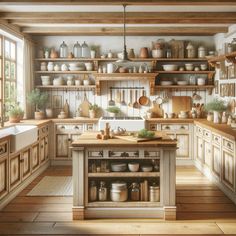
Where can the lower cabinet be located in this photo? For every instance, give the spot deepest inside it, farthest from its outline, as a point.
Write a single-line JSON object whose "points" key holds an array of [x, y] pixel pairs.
{"points": [[207, 155], [3, 176], [216, 161], [26, 163], [62, 146], [35, 157], [15, 170], [199, 149]]}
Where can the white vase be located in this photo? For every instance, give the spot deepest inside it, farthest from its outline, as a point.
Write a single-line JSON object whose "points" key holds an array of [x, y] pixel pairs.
{"points": [[111, 114], [216, 119], [93, 53]]}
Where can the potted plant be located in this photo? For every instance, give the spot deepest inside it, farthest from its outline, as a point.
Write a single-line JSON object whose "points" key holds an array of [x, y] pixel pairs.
{"points": [[93, 50], [113, 111], [216, 106], [93, 108], [15, 113], [39, 101]]}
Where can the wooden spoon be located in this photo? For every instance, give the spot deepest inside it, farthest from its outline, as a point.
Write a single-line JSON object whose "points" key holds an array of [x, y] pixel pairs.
{"points": [[130, 104], [136, 104], [111, 102]]}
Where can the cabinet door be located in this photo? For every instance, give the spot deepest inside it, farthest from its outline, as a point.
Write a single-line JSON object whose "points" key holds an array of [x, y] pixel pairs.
{"points": [[228, 169], [3, 176], [42, 150], [216, 161], [183, 146], [62, 146], [207, 154], [73, 137], [25, 164], [199, 144], [15, 176], [46, 147], [35, 157]]}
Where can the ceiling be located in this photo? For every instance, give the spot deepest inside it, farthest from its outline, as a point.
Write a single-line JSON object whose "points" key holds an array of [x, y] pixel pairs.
{"points": [[105, 17]]}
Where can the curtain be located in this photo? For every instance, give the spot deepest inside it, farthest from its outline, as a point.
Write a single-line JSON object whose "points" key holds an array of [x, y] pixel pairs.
{"points": [[28, 75]]}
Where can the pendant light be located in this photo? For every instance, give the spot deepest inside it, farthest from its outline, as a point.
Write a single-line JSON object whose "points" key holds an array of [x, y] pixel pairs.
{"points": [[124, 58]]}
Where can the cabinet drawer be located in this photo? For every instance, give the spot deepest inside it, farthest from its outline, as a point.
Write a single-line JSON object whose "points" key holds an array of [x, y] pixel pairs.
{"points": [[175, 127], [152, 127], [63, 128], [89, 127], [3, 148], [207, 134], [216, 139], [151, 154], [167, 127], [182, 127], [228, 144], [95, 154], [199, 130]]}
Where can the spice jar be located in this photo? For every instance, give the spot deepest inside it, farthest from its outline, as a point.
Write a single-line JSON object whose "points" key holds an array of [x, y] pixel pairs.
{"points": [[190, 50], [102, 192], [134, 192], [63, 50], [154, 193], [201, 52], [93, 191]]}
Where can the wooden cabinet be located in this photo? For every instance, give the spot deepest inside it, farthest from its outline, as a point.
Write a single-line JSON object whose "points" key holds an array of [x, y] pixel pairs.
{"points": [[228, 169], [199, 149], [25, 163], [42, 150], [14, 170], [46, 147], [216, 161], [62, 146], [207, 154], [35, 157], [183, 150]]}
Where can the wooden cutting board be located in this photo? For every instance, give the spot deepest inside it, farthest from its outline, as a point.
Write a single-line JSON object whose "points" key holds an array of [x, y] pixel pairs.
{"points": [[156, 110], [84, 106], [181, 103], [137, 140]]}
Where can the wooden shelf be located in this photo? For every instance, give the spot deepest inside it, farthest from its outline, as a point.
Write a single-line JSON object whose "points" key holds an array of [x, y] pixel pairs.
{"points": [[64, 72], [186, 72], [187, 87], [124, 174], [66, 87], [125, 75], [230, 57], [123, 204]]}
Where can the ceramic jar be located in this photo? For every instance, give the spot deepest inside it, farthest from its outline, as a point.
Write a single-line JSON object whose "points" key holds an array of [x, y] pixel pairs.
{"points": [[64, 67], [154, 193], [43, 66], [201, 52], [70, 81], [109, 55], [50, 66], [57, 67], [86, 82], [190, 50], [46, 54], [89, 66], [131, 53], [49, 113], [53, 53], [143, 52], [119, 192], [93, 53], [111, 68]]}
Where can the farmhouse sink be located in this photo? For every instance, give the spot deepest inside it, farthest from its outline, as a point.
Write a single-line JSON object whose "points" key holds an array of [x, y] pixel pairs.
{"points": [[21, 136]]}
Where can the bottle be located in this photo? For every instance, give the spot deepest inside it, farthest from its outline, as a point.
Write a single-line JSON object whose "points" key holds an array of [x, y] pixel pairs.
{"points": [[66, 109], [134, 192], [85, 50], [168, 53], [233, 44], [77, 50], [102, 192], [93, 191], [63, 50]]}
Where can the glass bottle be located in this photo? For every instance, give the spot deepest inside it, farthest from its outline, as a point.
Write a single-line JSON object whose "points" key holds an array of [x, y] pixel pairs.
{"points": [[77, 50], [85, 50], [63, 50], [233, 44], [168, 53], [102, 191], [93, 191], [134, 192]]}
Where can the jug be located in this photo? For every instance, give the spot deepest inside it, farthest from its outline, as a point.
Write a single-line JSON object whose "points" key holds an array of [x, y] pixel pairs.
{"points": [[111, 68]]}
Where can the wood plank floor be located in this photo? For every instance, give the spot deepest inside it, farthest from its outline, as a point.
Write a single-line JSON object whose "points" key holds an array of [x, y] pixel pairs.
{"points": [[201, 209]]}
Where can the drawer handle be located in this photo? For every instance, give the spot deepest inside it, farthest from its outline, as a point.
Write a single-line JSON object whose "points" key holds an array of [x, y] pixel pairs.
{"points": [[41, 146], [1, 149], [76, 127], [62, 127], [22, 160], [182, 127], [46, 143], [167, 127], [69, 139], [216, 139], [229, 145]]}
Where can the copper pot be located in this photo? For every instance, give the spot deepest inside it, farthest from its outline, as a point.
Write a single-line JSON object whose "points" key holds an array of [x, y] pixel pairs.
{"points": [[143, 52]]}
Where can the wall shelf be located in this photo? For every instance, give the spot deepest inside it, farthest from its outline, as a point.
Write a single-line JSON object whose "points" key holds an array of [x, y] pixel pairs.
{"points": [[64, 72], [124, 174], [230, 57], [66, 87], [186, 72]]}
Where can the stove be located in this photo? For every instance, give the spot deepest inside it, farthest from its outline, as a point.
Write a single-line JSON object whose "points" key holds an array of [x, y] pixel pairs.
{"points": [[130, 123]]}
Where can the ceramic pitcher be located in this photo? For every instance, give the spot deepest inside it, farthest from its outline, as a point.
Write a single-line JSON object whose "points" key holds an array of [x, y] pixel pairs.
{"points": [[111, 68]]}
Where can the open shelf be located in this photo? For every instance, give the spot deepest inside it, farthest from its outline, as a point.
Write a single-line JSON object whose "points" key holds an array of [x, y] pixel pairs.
{"points": [[230, 57], [123, 204], [66, 87], [64, 72], [124, 174], [186, 72]]}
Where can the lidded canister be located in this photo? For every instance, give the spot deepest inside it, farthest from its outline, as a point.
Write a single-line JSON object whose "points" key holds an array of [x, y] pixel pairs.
{"points": [[190, 50], [102, 191], [201, 52], [154, 193], [93, 191]]}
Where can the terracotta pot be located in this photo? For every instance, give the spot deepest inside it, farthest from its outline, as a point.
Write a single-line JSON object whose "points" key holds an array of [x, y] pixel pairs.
{"points": [[14, 119], [53, 54], [143, 53], [39, 115], [92, 114]]}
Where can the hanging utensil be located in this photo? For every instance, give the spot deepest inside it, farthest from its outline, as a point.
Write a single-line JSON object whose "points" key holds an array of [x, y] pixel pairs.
{"points": [[123, 103], [159, 100], [143, 100], [111, 102], [118, 96], [130, 104], [136, 104]]}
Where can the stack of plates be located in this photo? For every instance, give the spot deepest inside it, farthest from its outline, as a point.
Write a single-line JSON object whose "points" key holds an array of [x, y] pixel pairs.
{"points": [[166, 83], [182, 82], [118, 167], [45, 80], [76, 67]]}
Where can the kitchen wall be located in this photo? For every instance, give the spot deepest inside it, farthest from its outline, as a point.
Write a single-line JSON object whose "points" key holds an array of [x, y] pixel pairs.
{"points": [[115, 45]]}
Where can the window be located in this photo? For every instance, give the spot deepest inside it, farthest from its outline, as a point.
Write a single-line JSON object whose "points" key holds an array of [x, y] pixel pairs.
{"points": [[8, 75]]}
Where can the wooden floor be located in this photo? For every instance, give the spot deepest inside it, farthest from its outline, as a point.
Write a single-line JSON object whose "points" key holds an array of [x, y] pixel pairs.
{"points": [[201, 209]]}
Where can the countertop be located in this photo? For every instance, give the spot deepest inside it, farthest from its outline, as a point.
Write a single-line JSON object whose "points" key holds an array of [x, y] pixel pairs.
{"points": [[89, 139]]}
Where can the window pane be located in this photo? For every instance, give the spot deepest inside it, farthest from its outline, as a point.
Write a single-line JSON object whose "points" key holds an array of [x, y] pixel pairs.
{"points": [[0, 68], [7, 90], [7, 49], [13, 51], [0, 46], [7, 69], [13, 92], [13, 71]]}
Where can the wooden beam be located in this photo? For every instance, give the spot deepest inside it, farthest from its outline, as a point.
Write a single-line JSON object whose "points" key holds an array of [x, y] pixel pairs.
{"points": [[116, 17], [118, 31], [120, 2]]}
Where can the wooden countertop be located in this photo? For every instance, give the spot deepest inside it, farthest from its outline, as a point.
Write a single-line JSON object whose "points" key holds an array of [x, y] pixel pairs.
{"points": [[89, 139], [76, 120], [29, 122], [222, 129]]}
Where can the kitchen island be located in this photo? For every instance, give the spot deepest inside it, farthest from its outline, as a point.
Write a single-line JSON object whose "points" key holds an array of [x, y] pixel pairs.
{"points": [[92, 164]]}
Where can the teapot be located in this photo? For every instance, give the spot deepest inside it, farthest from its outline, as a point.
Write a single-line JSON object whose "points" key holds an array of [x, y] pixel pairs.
{"points": [[111, 68], [64, 67]]}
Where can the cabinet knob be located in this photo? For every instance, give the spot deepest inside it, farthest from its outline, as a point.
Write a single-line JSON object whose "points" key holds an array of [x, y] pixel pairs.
{"points": [[62, 127], [182, 127], [76, 127], [69, 139]]}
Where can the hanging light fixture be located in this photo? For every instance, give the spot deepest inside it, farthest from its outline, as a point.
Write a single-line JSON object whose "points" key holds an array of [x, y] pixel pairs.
{"points": [[124, 58]]}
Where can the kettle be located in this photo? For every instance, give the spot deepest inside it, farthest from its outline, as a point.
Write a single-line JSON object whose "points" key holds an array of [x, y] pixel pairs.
{"points": [[111, 68]]}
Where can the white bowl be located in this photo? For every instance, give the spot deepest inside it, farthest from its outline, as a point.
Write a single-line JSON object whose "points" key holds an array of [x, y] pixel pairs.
{"points": [[133, 166], [147, 168], [165, 83], [170, 67], [189, 67], [201, 81], [182, 82], [46, 83], [118, 167]]}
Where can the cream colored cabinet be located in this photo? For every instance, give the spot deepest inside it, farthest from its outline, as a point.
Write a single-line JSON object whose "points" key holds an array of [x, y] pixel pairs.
{"points": [[207, 155], [46, 147], [62, 146], [14, 170], [199, 149], [42, 151], [4, 187], [216, 161], [35, 157], [25, 163], [183, 150]]}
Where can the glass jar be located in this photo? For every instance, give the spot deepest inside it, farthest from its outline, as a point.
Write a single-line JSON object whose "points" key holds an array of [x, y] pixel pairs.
{"points": [[102, 191], [233, 44], [134, 192], [154, 193], [93, 191], [63, 50], [201, 52], [85, 50], [192, 80], [77, 50], [190, 50], [168, 53]]}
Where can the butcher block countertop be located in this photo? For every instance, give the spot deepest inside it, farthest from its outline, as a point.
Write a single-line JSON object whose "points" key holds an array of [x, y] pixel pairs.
{"points": [[89, 139]]}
